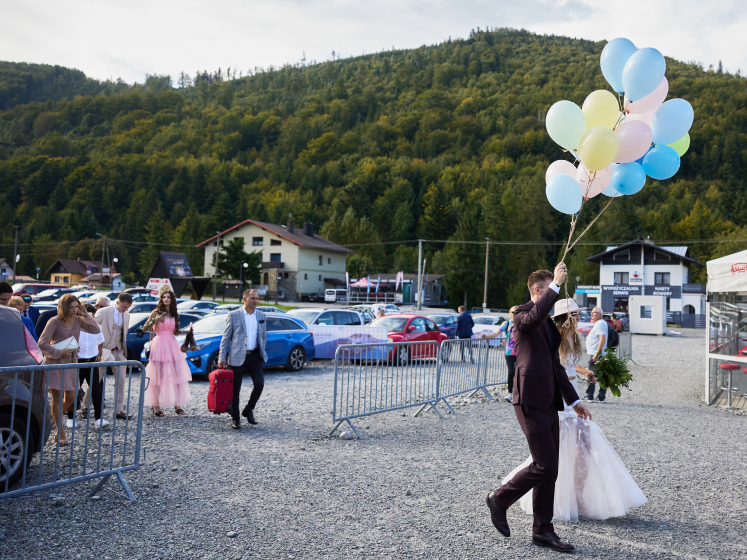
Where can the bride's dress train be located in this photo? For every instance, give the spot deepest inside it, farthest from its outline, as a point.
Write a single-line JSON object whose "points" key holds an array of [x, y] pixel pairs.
{"points": [[592, 479]]}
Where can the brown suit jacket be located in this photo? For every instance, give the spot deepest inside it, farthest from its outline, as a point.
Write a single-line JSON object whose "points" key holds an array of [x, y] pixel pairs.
{"points": [[541, 380], [105, 318]]}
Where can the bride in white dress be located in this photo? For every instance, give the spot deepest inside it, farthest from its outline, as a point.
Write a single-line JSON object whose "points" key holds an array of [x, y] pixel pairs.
{"points": [[592, 480]]}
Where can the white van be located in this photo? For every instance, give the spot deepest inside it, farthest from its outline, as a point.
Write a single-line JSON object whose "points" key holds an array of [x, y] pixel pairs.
{"points": [[335, 295]]}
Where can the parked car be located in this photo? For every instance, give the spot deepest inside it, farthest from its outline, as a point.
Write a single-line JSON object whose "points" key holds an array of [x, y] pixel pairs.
{"points": [[52, 294], [136, 338], [197, 305], [133, 291], [139, 298], [389, 308], [332, 296], [483, 319], [226, 307], [111, 295], [409, 327], [315, 298], [33, 289], [81, 294], [270, 309], [20, 349], [289, 343], [145, 307], [320, 316], [446, 322]]}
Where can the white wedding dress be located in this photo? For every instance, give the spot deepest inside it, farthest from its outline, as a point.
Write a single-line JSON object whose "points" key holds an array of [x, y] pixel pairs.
{"points": [[592, 480]]}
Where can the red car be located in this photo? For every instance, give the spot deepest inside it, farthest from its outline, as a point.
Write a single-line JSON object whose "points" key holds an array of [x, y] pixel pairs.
{"points": [[409, 327], [33, 289]]}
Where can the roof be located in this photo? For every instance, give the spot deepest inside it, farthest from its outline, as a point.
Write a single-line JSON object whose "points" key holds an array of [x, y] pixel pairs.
{"points": [[75, 266], [298, 237], [680, 251]]}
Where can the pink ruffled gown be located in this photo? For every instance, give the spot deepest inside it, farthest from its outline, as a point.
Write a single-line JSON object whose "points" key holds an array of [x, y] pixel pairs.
{"points": [[167, 369]]}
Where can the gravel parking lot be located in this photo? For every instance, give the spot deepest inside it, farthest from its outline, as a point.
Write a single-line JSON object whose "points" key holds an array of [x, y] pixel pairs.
{"points": [[412, 488]]}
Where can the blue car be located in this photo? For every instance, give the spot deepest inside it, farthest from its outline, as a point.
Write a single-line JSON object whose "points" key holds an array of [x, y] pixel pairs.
{"points": [[446, 322], [289, 343], [136, 338]]}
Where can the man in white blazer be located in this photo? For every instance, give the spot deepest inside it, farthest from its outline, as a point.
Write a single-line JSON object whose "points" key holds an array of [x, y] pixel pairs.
{"points": [[115, 321], [244, 340]]}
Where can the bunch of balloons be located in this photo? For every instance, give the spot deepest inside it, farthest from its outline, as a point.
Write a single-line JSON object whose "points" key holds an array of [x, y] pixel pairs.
{"points": [[617, 141]]}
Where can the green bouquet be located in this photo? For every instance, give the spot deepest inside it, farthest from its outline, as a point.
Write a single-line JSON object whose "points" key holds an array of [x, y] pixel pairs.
{"points": [[612, 371]]}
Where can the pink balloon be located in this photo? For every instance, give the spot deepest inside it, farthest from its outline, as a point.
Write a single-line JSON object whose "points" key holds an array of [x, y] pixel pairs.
{"points": [[560, 166], [593, 183], [633, 141], [649, 103], [642, 117]]}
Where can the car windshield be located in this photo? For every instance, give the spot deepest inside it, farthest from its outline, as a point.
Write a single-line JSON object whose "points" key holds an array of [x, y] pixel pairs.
{"points": [[185, 304], [215, 324], [438, 319], [306, 316], [391, 324], [483, 320], [49, 292]]}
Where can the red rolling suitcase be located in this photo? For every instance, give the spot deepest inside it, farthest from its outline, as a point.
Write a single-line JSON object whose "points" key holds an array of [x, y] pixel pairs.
{"points": [[220, 393]]}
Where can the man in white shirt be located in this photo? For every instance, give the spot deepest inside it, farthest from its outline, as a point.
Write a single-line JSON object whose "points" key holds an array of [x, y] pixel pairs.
{"points": [[91, 346], [596, 343]]}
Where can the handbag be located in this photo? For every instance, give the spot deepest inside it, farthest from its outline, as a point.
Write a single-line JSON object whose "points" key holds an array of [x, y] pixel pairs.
{"points": [[68, 344]]}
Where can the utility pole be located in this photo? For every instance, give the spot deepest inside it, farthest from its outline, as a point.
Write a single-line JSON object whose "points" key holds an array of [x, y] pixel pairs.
{"points": [[215, 270], [101, 268], [15, 256], [420, 273], [485, 291]]}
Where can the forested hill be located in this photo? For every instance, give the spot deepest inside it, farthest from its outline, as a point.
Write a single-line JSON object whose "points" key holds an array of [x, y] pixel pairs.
{"points": [[442, 142]]}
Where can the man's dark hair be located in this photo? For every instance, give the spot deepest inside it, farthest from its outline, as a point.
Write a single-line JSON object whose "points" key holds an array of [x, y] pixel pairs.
{"points": [[124, 298], [5, 288], [539, 276], [90, 308]]}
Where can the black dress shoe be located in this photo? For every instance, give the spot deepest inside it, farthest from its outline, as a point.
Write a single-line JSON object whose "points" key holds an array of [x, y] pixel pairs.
{"points": [[498, 515], [551, 540], [249, 415], [236, 424]]}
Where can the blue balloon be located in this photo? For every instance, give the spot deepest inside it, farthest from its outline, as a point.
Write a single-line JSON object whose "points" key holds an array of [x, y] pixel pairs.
{"points": [[628, 178], [661, 163], [614, 56], [643, 73], [610, 191], [564, 193], [671, 121]]}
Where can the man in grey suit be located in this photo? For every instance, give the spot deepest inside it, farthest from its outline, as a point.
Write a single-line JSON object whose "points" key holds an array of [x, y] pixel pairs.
{"points": [[244, 340]]}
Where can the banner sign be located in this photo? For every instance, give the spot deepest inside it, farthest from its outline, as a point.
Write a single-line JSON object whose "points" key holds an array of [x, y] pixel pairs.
{"points": [[178, 265], [328, 337], [158, 285], [588, 290], [477, 330]]}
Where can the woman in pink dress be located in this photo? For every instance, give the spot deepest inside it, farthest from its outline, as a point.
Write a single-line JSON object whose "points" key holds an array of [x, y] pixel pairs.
{"points": [[167, 366]]}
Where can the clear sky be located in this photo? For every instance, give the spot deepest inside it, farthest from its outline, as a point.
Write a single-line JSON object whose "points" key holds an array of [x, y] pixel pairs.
{"points": [[130, 38]]}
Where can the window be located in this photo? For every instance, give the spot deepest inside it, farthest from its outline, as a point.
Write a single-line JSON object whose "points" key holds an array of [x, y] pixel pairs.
{"points": [[274, 257], [342, 318], [56, 278], [661, 278], [354, 319], [430, 326], [621, 305], [621, 256], [291, 325], [325, 319], [66, 279], [668, 304], [275, 324], [305, 276], [621, 277], [320, 260], [659, 256], [418, 323], [329, 261], [647, 311], [274, 242], [258, 241], [320, 277], [285, 275]]}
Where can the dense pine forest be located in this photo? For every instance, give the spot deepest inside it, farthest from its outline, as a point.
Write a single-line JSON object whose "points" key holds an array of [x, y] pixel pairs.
{"points": [[444, 143]]}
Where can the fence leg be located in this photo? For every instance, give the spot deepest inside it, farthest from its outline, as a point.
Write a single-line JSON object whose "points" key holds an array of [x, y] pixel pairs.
{"points": [[433, 406], [487, 393], [448, 405], [122, 481], [357, 433], [421, 409], [334, 429]]}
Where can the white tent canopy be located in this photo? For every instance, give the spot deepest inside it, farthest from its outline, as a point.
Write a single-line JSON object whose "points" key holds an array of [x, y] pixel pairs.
{"points": [[728, 274]]}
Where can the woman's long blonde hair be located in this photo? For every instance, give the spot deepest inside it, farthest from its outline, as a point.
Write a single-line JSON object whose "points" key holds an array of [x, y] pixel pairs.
{"points": [[576, 347]]}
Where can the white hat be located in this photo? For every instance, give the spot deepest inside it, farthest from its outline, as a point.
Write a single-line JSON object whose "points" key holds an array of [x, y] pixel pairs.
{"points": [[564, 306]]}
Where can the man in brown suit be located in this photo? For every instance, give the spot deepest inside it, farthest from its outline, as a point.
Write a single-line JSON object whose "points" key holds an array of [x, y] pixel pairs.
{"points": [[115, 321], [540, 387]]}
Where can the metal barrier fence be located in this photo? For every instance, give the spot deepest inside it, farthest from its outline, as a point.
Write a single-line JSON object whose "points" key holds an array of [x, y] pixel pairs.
{"points": [[374, 378], [31, 462]]}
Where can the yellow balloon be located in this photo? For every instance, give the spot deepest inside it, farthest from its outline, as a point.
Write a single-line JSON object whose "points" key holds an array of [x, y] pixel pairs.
{"points": [[680, 146], [597, 148], [601, 109]]}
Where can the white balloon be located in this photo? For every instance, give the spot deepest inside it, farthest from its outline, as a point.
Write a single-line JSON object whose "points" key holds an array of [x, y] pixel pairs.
{"points": [[651, 102], [560, 166], [643, 117], [593, 183]]}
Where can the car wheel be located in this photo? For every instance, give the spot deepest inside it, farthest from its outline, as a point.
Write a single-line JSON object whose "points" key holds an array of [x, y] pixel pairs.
{"points": [[13, 449], [212, 363], [403, 355], [296, 359]]}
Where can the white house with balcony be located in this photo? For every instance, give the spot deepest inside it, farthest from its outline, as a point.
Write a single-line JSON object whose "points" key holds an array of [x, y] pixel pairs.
{"points": [[642, 268], [295, 261]]}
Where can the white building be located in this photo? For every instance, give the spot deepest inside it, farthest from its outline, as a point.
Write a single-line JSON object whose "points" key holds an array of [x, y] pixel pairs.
{"points": [[642, 268], [295, 262]]}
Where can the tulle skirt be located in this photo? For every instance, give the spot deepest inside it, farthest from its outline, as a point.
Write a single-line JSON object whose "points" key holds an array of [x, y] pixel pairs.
{"points": [[592, 479], [168, 372]]}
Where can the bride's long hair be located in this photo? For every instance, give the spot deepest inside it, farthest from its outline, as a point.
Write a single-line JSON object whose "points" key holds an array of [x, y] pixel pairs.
{"points": [[574, 348]]}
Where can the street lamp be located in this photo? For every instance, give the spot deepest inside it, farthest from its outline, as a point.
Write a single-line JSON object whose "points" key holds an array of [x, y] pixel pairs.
{"points": [[485, 291], [277, 286], [241, 281], [115, 260]]}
